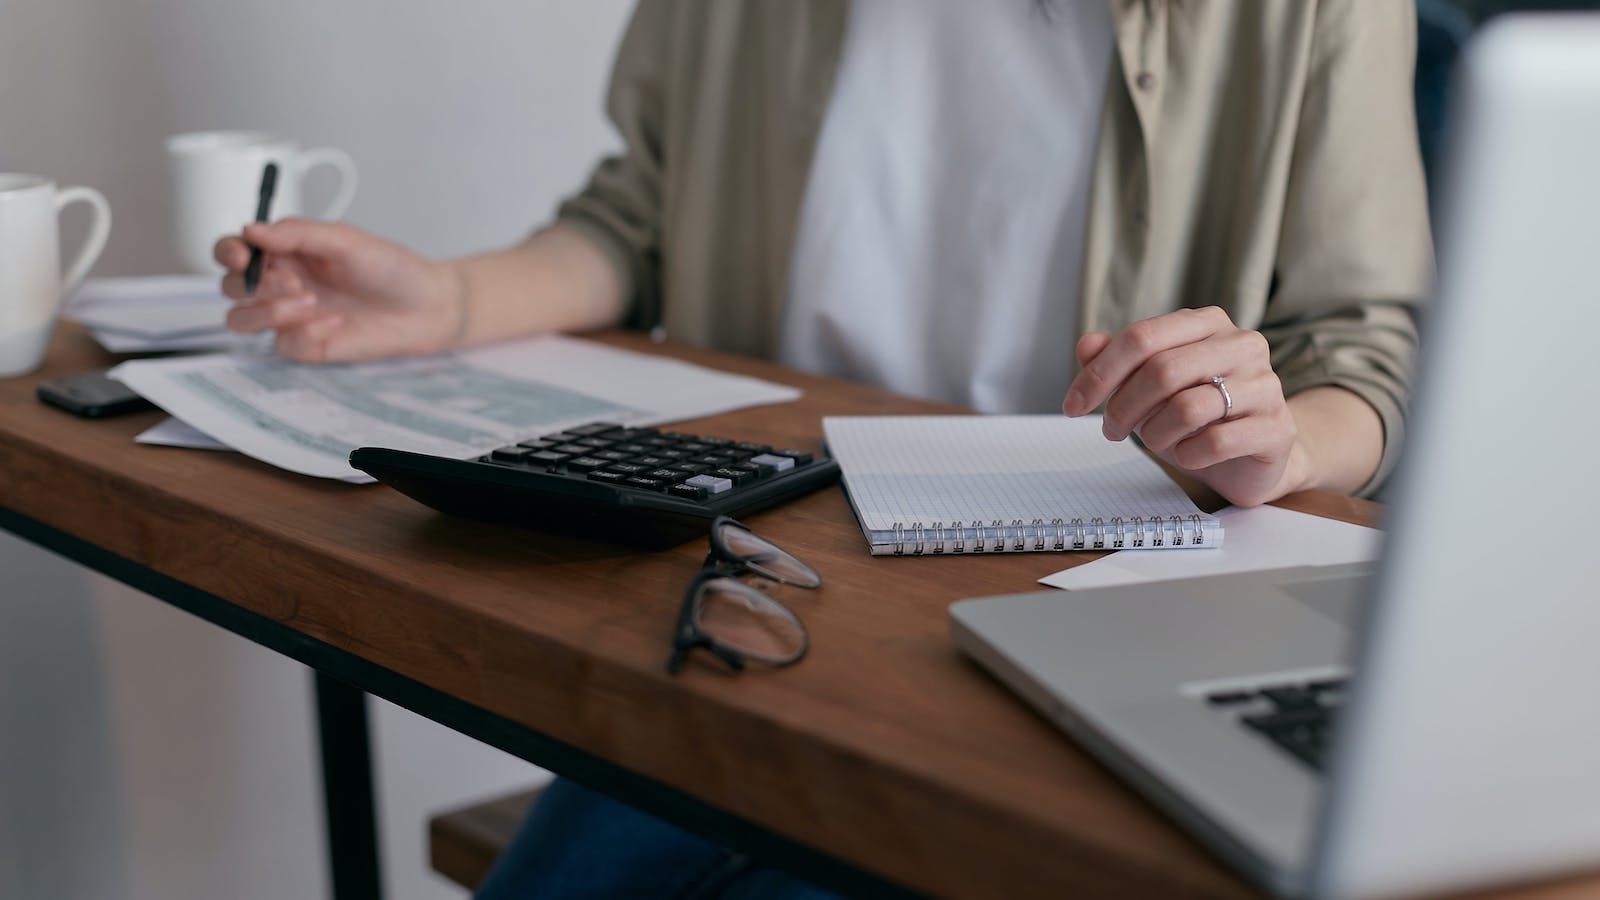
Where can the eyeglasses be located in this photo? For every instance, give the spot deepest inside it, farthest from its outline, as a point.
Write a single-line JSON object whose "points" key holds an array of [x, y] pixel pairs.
{"points": [[735, 620]]}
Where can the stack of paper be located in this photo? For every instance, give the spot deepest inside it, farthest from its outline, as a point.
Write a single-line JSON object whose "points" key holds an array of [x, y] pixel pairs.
{"points": [[144, 315]]}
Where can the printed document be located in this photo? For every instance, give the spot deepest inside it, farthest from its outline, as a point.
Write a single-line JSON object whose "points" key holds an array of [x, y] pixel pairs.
{"points": [[170, 432], [307, 418]]}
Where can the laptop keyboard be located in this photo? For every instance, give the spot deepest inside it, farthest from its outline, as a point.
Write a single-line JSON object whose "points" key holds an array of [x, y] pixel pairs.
{"points": [[1298, 717]]}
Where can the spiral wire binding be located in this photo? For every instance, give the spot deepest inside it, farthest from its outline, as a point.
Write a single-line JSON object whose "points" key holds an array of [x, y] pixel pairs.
{"points": [[917, 539]]}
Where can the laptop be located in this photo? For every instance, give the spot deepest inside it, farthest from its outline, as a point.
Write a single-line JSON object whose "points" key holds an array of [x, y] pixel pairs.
{"points": [[1430, 722]]}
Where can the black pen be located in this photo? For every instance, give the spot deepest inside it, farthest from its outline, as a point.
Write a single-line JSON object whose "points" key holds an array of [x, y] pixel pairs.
{"points": [[269, 183]]}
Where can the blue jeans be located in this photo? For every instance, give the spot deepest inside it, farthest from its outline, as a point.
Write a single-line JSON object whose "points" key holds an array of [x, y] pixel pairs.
{"points": [[579, 844]]}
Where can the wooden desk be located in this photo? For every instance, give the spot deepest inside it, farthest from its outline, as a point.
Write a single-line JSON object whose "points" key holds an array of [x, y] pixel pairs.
{"points": [[885, 749]]}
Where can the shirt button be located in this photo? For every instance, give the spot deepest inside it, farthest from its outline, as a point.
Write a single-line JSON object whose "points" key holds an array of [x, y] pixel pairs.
{"points": [[1145, 81]]}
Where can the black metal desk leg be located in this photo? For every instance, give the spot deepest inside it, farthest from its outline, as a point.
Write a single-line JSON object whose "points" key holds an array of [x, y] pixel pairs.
{"points": [[347, 790]]}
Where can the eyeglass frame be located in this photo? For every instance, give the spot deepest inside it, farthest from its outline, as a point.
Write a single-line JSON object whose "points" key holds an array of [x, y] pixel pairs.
{"points": [[721, 562]]}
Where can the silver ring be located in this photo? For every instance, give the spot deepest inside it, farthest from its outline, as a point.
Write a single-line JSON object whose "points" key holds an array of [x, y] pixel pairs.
{"points": [[1227, 399]]}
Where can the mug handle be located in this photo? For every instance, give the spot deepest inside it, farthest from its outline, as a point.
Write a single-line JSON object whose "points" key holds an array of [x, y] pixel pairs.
{"points": [[95, 241], [340, 160]]}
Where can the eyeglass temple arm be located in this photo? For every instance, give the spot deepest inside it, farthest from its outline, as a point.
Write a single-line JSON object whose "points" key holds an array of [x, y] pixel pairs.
{"points": [[681, 649]]}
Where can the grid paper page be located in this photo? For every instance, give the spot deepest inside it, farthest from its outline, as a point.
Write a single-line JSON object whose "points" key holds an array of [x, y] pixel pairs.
{"points": [[927, 469]]}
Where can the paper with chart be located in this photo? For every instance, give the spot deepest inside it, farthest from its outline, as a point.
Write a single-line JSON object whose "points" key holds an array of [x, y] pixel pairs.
{"points": [[307, 418], [923, 475]]}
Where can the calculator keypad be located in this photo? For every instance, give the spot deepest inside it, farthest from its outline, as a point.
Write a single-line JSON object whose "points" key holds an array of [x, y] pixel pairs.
{"points": [[687, 466], [641, 487]]}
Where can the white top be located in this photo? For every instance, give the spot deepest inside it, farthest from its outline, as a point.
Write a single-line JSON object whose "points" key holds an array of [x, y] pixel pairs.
{"points": [[941, 232]]}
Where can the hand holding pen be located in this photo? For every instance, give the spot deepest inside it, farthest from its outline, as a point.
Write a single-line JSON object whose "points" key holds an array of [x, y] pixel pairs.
{"points": [[333, 292], [269, 184], [330, 291]]}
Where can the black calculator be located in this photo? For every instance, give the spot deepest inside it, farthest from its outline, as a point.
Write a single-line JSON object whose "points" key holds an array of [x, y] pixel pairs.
{"points": [[639, 486]]}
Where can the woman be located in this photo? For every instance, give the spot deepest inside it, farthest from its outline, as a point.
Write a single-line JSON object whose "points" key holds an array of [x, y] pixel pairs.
{"points": [[1019, 206]]}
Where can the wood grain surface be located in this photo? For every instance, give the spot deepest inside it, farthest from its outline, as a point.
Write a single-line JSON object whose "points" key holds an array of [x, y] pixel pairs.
{"points": [[884, 747]]}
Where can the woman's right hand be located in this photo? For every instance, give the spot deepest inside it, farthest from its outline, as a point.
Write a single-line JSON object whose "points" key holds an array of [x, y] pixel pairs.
{"points": [[336, 293]]}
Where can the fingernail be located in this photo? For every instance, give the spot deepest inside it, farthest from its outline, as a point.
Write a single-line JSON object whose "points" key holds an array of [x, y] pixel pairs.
{"points": [[1074, 404]]}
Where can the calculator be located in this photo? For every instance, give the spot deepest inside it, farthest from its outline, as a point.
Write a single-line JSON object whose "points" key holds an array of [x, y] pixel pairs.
{"points": [[639, 486]]}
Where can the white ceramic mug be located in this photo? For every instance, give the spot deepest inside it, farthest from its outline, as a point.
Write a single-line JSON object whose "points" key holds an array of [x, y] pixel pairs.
{"points": [[31, 281], [216, 179]]}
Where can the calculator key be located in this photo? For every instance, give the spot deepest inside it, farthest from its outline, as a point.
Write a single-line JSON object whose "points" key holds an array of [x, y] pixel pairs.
{"points": [[594, 428], [1289, 697], [712, 484], [773, 463], [1230, 698], [752, 448], [703, 474]]}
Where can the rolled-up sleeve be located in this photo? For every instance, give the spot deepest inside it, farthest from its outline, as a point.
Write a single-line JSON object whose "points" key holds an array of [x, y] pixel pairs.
{"points": [[1355, 257], [620, 208]]}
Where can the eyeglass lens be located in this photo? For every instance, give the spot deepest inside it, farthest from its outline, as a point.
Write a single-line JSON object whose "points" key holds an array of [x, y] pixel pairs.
{"points": [[765, 557], [745, 619]]}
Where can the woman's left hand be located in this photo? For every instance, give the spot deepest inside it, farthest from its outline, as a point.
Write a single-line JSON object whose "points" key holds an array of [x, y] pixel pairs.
{"points": [[1155, 381]]}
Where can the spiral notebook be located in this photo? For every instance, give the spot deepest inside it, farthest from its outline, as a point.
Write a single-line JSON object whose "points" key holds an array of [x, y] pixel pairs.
{"points": [[1002, 484]]}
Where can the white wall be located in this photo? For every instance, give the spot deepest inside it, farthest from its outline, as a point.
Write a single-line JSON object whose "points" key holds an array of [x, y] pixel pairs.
{"points": [[143, 753], [468, 120]]}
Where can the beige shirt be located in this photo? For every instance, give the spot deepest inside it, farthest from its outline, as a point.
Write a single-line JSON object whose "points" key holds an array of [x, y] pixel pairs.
{"points": [[1258, 155]]}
